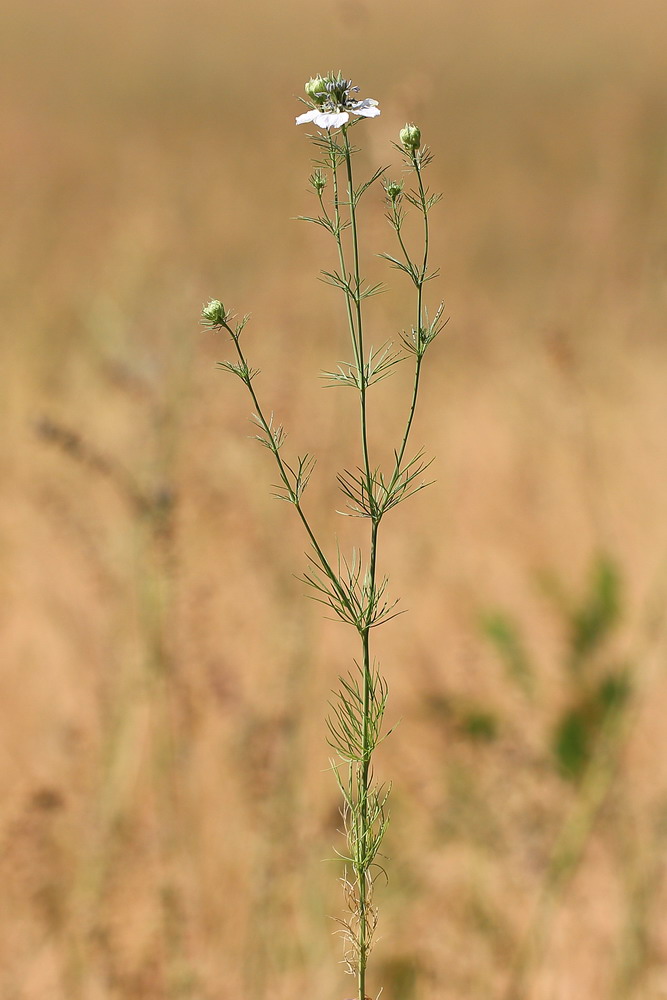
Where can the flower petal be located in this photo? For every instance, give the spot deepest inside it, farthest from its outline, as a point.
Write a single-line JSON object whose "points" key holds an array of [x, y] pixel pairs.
{"points": [[366, 112], [368, 102], [324, 119], [308, 116]]}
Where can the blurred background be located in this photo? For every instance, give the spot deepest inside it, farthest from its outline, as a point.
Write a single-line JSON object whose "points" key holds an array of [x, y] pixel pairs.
{"points": [[166, 807]]}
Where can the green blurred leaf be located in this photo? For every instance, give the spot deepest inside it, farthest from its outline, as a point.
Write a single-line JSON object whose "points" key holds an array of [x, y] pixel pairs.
{"points": [[577, 732], [572, 743], [505, 635], [592, 622], [472, 720], [480, 726], [614, 690]]}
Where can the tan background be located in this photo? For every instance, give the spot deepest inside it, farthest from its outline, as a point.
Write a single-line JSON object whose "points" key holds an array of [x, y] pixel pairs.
{"points": [[165, 806]]}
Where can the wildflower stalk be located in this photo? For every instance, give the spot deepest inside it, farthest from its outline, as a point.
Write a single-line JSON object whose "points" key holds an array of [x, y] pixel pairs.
{"points": [[353, 592]]}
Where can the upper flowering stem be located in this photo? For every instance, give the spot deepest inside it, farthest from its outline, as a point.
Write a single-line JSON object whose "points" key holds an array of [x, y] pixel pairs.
{"points": [[333, 103]]}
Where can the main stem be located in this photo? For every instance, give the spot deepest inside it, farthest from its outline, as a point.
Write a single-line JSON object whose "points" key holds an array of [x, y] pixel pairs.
{"points": [[341, 259], [365, 778], [364, 766], [360, 329]]}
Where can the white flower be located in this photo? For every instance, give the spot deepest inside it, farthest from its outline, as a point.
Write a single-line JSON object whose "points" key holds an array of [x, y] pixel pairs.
{"points": [[335, 105], [334, 119]]}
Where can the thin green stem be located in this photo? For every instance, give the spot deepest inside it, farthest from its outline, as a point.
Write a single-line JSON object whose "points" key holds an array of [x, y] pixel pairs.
{"points": [[422, 194], [408, 259], [411, 414], [420, 320], [323, 209], [360, 329], [285, 478], [362, 873], [420, 311], [358, 358], [364, 767]]}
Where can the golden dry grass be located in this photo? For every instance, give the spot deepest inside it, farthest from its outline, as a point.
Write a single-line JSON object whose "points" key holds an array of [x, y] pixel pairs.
{"points": [[165, 804]]}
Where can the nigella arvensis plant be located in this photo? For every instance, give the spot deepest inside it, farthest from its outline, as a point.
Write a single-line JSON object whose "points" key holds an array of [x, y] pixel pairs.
{"points": [[352, 587]]}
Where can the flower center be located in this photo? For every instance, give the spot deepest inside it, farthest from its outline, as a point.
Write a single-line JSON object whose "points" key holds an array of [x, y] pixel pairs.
{"points": [[338, 93]]}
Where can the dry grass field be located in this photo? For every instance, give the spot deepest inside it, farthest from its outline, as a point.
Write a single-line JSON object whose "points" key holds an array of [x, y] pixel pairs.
{"points": [[165, 808]]}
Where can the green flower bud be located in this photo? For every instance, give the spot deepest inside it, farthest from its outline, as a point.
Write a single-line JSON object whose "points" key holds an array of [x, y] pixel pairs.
{"points": [[410, 137], [393, 189], [316, 89], [214, 313], [318, 181]]}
